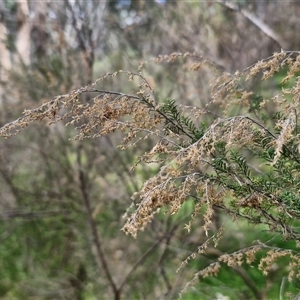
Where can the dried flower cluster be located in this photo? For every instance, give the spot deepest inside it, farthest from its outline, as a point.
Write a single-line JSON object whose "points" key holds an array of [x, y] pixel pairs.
{"points": [[238, 153]]}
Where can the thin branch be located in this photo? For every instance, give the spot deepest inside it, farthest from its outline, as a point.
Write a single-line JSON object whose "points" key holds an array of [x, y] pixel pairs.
{"points": [[148, 103], [30, 215], [249, 282], [260, 24], [162, 269], [149, 251], [96, 239], [282, 287], [273, 136], [112, 93]]}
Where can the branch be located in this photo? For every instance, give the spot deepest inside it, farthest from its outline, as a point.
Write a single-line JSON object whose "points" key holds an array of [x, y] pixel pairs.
{"points": [[261, 25], [241, 272], [30, 215], [149, 251], [248, 281], [96, 239]]}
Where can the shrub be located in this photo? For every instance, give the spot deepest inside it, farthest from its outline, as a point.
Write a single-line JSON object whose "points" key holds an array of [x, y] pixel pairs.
{"points": [[238, 152]]}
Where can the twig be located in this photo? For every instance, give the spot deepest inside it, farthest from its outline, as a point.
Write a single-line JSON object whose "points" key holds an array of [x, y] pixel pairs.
{"points": [[30, 215], [282, 286]]}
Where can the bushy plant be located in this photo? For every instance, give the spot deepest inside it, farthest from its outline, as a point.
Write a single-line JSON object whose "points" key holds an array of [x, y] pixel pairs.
{"points": [[238, 153]]}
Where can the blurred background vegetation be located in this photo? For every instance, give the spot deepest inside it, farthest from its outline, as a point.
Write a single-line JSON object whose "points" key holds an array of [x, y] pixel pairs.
{"points": [[62, 201]]}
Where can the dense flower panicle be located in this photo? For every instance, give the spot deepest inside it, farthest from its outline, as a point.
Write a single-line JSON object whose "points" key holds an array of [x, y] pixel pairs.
{"points": [[239, 152]]}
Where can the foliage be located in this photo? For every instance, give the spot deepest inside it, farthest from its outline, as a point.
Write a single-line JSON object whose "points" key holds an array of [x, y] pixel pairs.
{"points": [[244, 164], [61, 200]]}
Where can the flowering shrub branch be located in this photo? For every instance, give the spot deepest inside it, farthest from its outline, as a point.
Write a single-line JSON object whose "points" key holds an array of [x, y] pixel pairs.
{"points": [[238, 153]]}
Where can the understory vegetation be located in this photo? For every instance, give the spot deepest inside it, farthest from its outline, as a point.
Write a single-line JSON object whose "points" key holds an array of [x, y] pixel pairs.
{"points": [[196, 160]]}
